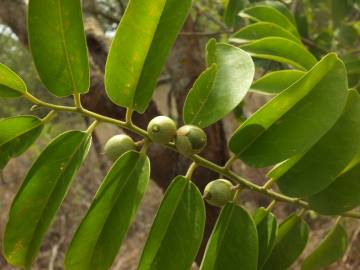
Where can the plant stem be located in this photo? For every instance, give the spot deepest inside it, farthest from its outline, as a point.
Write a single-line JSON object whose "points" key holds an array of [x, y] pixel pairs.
{"points": [[128, 116], [229, 162], [198, 160], [271, 206], [48, 117], [77, 100], [191, 170], [91, 128], [39, 102]]}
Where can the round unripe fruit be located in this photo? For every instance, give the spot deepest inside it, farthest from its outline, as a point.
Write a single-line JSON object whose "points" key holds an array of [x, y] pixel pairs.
{"points": [[161, 129], [190, 140], [219, 192], [118, 145]]}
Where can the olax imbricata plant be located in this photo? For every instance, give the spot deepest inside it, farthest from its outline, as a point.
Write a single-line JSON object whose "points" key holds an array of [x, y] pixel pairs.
{"points": [[308, 133]]}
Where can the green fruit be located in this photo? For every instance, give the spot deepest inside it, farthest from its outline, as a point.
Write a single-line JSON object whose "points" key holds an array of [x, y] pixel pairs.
{"points": [[161, 129], [118, 145], [190, 140], [219, 192]]}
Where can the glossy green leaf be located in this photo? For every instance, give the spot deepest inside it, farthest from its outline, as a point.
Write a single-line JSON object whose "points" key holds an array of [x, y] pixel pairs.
{"points": [[221, 87], [139, 50], [11, 85], [58, 45], [100, 234], [267, 13], [331, 249], [267, 230], [339, 197], [177, 231], [281, 50], [312, 171], [276, 81], [231, 11], [261, 30], [294, 120], [290, 243], [17, 134], [282, 8], [233, 243], [40, 195]]}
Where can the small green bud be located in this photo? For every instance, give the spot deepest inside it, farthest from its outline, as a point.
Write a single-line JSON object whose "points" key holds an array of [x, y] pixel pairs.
{"points": [[219, 192], [190, 140], [161, 129], [118, 145]]}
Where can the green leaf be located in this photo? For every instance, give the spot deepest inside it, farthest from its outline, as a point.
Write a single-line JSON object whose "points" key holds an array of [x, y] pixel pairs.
{"points": [[139, 50], [290, 243], [221, 87], [282, 8], [331, 249], [261, 30], [339, 197], [294, 120], [276, 81], [11, 85], [177, 231], [267, 230], [267, 13], [17, 134], [100, 234], [312, 171], [233, 243], [40, 195], [58, 45], [232, 9], [281, 50]]}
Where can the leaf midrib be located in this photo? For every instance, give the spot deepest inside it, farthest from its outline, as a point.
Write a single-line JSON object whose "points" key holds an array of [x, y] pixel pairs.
{"points": [[64, 47], [76, 150], [112, 207], [22, 133], [207, 97], [167, 226]]}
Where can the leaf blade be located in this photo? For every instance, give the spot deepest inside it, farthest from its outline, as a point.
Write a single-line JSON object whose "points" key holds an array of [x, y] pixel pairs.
{"points": [[177, 231], [135, 61], [233, 243], [340, 196], [58, 34], [308, 97], [11, 85], [281, 50], [17, 134], [318, 167], [36, 201], [331, 249], [290, 242], [94, 244], [267, 229], [276, 81], [268, 13], [221, 87], [261, 30]]}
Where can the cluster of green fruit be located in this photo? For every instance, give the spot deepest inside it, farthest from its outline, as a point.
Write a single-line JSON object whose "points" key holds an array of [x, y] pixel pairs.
{"points": [[189, 140]]}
